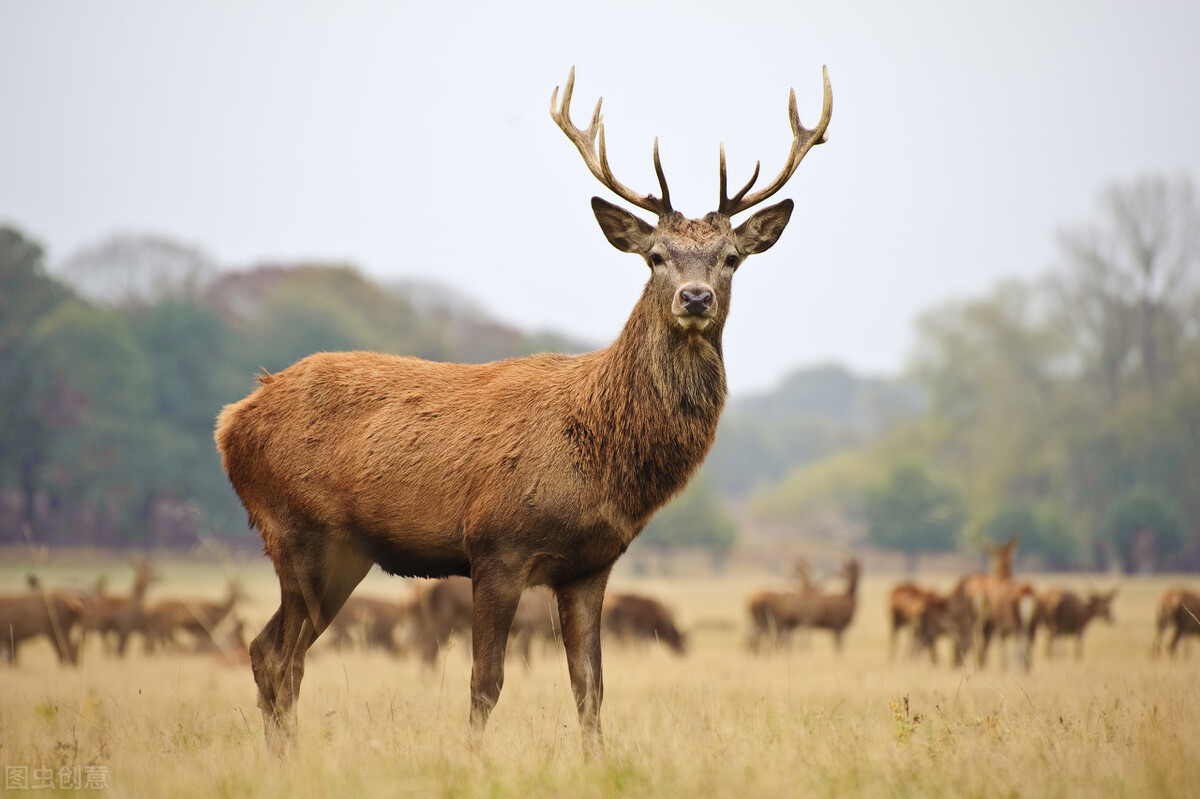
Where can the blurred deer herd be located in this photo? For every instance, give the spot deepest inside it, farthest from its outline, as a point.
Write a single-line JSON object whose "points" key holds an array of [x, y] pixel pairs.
{"points": [[423, 624], [980, 608]]}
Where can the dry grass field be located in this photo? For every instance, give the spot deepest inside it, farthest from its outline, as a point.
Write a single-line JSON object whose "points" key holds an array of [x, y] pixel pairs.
{"points": [[719, 722]]}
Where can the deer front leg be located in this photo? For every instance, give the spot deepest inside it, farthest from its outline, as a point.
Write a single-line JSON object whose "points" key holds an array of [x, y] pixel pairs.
{"points": [[495, 593], [579, 605]]}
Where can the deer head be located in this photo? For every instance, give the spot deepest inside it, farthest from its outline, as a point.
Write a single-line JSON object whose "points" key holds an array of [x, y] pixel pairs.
{"points": [[144, 574], [692, 261], [1100, 605]]}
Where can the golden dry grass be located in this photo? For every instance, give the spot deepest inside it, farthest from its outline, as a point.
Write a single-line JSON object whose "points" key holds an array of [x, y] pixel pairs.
{"points": [[719, 722]]}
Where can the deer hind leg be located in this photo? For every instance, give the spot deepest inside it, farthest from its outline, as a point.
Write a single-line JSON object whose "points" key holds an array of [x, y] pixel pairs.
{"points": [[314, 583], [579, 605]]}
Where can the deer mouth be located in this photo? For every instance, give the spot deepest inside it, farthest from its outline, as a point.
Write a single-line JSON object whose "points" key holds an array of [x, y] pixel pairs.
{"points": [[692, 321]]}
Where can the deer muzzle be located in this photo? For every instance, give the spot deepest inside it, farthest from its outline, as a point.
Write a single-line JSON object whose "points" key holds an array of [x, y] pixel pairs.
{"points": [[694, 306]]}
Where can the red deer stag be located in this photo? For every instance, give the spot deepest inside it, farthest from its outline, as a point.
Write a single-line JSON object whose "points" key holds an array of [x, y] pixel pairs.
{"points": [[1180, 609], [631, 617], [530, 471], [1066, 613], [53, 614]]}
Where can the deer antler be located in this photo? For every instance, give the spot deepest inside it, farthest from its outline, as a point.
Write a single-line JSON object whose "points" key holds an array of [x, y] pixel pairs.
{"points": [[803, 140], [585, 142]]}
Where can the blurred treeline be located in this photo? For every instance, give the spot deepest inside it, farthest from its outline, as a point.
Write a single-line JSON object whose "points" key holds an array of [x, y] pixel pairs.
{"points": [[110, 381], [1065, 409]]}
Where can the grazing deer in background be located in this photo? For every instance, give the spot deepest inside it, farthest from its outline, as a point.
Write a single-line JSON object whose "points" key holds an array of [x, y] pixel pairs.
{"points": [[1180, 609], [536, 619], [775, 615], [199, 618], [1066, 613], [530, 471], [996, 604], [635, 618], [908, 607], [121, 616], [40, 611], [1013, 613], [443, 609], [941, 616], [835, 612], [370, 622], [233, 651]]}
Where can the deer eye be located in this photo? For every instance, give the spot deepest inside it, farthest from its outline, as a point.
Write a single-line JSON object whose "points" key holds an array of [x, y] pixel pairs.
{"points": [[731, 260], [656, 259]]}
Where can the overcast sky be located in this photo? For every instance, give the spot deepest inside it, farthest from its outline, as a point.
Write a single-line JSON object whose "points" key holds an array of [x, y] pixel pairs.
{"points": [[414, 141]]}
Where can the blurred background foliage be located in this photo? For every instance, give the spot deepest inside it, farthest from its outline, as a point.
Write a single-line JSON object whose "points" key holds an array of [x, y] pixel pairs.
{"points": [[1065, 409]]}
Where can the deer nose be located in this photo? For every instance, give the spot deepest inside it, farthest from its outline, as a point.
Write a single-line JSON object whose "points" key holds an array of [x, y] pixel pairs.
{"points": [[696, 300]]}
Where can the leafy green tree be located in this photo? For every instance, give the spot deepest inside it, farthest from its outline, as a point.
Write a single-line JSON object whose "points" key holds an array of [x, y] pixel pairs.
{"points": [[26, 294], [92, 391], [187, 347], [913, 511], [1145, 525]]}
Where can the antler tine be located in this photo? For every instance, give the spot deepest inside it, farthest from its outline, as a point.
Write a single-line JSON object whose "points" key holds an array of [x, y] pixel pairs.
{"points": [[803, 139], [662, 179], [595, 156], [728, 202]]}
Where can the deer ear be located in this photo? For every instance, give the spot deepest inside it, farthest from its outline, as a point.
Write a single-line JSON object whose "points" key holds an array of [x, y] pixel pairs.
{"points": [[623, 230], [761, 231]]}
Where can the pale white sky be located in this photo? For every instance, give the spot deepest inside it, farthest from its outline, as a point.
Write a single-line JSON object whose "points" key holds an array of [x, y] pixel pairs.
{"points": [[414, 141]]}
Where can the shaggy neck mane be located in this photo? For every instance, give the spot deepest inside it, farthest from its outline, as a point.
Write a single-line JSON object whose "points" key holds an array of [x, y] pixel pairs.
{"points": [[654, 402]]}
